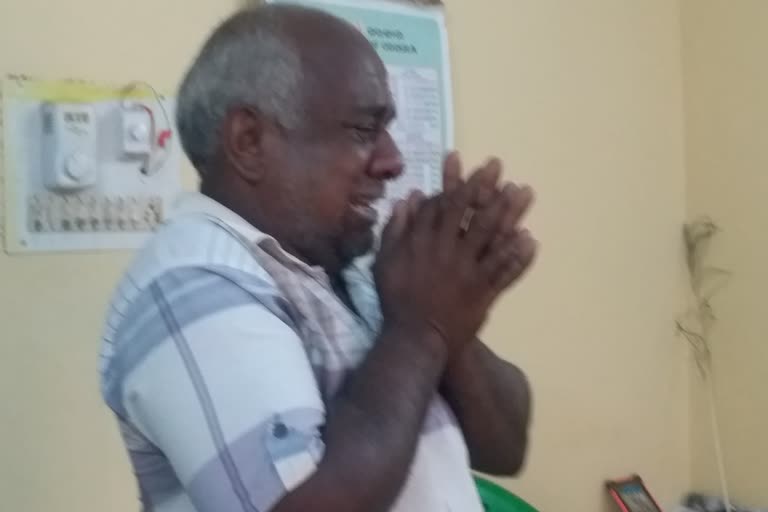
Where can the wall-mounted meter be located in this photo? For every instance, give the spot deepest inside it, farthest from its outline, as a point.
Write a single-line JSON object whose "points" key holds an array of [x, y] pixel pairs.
{"points": [[70, 141], [90, 166]]}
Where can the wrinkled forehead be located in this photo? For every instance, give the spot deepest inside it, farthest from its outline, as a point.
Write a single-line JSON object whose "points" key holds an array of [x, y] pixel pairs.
{"points": [[345, 74], [359, 83]]}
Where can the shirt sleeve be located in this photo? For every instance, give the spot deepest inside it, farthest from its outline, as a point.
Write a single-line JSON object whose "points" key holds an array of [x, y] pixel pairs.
{"points": [[229, 395]]}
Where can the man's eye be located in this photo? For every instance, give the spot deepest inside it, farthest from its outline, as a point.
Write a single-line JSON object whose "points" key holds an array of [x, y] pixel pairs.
{"points": [[364, 134]]}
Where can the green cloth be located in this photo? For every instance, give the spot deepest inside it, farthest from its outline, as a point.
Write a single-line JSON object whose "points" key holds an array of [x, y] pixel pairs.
{"points": [[498, 499]]}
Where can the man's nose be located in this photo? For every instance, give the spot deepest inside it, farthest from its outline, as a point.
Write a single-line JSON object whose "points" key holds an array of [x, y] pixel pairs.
{"points": [[387, 161]]}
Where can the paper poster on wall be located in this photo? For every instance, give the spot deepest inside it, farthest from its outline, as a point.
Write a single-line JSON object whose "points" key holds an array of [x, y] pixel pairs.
{"points": [[86, 166], [412, 41]]}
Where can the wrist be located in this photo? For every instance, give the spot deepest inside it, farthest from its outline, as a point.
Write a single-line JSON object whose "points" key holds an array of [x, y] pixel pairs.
{"points": [[464, 358], [422, 337], [465, 366]]}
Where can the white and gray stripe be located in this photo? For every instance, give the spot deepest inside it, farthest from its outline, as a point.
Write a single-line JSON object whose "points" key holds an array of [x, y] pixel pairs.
{"points": [[219, 354]]}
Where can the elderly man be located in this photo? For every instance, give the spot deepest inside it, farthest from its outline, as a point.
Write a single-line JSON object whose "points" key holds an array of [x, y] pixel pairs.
{"points": [[251, 363]]}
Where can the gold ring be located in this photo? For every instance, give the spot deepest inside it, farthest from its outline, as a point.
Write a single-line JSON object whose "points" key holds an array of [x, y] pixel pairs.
{"points": [[466, 220]]}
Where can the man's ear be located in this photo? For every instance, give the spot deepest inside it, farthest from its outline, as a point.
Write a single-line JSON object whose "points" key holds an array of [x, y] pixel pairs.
{"points": [[243, 137]]}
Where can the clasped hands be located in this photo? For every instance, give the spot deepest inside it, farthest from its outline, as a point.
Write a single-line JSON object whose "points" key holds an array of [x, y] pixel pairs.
{"points": [[444, 260]]}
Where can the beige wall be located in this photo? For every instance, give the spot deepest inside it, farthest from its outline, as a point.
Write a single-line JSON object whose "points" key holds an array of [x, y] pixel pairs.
{"points": [[582, 99], [726, 87]]}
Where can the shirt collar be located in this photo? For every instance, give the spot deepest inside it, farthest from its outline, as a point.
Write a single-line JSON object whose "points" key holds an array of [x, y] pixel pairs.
{"points": [[197, 204]]}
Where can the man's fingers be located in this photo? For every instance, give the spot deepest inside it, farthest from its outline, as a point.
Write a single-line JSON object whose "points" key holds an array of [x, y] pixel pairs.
{"points": [[520, 263], [520, 201], [483, 184], [465, 198], [498, 257], [453, 188], [426, 216], [414, 200], [454, 206], [396, 225], [509, 259], [484, 225], [423, 223], [451, 172]]}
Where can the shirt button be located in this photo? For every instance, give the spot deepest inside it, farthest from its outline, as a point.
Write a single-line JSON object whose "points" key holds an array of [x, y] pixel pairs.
{"points": [[280, 430]]}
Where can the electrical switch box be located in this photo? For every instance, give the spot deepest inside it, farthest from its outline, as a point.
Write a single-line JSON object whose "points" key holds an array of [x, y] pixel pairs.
{"points": [[70, 145], [137, 130], [87, 166]]}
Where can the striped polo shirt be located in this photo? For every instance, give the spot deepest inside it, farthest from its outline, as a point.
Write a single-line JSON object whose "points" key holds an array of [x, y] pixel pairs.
{"points": [[219, 356]]}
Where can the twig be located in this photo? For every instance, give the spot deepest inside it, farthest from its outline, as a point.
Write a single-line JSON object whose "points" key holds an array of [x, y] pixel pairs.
{"points": [[706, 282]]}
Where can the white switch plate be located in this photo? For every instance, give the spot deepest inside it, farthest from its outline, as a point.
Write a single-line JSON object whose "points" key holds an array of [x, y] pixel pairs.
{"points": [[117, 209]]}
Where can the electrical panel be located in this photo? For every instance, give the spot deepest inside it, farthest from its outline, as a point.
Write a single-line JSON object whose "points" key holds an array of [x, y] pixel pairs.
{"points": [[87, 166]]}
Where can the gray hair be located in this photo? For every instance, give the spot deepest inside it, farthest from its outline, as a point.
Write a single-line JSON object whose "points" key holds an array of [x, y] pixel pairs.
{"points": [[248, 60]]}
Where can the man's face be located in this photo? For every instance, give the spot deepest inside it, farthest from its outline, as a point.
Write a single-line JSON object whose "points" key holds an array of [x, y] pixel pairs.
{"points": [[336, 165]]}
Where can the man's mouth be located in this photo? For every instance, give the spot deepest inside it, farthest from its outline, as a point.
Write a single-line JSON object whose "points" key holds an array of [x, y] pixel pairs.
{"points": [[363, 205], [366, 211]]}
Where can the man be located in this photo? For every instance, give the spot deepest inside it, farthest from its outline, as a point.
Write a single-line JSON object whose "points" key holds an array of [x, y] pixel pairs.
{"points": [[252, 365]]}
